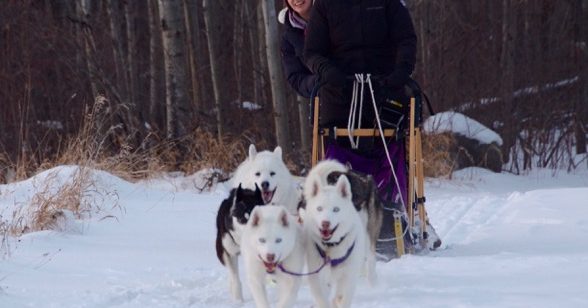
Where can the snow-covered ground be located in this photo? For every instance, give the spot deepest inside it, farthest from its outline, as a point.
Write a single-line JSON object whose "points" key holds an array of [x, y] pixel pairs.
{"points": [[508, 241]]}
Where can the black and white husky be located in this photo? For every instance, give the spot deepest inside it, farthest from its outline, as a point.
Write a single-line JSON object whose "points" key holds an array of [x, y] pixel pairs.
{"points": [[237, 206], [337, 239]]}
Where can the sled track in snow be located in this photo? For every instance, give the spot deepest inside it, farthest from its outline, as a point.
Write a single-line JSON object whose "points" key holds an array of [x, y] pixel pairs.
{"points": [[458, 218]]}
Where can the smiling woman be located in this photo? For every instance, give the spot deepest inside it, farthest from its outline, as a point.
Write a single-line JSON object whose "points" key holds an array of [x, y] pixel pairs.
{"points": [[294, 17], [301, 7]]}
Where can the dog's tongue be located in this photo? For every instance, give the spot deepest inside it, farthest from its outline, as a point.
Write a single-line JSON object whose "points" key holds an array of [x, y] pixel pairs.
{"points": [[326, 233], [270, 267], [267, 196]]}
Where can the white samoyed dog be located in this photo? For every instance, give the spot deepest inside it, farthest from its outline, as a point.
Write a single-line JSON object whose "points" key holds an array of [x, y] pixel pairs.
{"points": [[272, 245], [337, 240], [268, 171]]}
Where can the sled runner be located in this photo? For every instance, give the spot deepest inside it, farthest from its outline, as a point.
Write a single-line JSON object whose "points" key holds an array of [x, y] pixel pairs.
{"points": [[405, 228]]}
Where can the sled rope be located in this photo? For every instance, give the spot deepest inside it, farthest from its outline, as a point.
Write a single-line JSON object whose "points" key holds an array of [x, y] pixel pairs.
{"points": [[284, 270], [359, 80], [377, 114]]}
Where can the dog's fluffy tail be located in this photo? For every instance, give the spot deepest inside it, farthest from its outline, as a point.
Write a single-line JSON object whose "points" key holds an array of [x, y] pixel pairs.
{"points": [[219, 248], [221, 227], [320, 172]]}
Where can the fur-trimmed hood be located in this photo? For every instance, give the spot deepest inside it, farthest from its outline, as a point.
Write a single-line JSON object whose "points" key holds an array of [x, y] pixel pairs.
{"points": [[293, 19], [282, 15]]}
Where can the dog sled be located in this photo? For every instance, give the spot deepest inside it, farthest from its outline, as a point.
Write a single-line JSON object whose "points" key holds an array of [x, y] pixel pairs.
{"points": [[406, 228]]}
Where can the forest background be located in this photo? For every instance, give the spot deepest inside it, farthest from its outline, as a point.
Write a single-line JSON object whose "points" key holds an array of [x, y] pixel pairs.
{"points": [[161, 85]]}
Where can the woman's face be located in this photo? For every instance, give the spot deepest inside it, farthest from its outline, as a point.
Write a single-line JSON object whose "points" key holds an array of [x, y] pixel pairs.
{"points": [[302, 7]]}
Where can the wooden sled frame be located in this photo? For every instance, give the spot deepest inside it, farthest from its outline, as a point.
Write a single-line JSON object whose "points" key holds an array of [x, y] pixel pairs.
{"points": [[416, 190]]}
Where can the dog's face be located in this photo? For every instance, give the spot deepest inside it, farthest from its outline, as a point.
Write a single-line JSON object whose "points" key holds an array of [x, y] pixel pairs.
{"points": [[272, 233], [244, 203], [329, 210], [268, 171]]}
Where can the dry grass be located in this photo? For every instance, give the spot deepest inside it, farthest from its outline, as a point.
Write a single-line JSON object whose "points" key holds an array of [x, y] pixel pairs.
{"points": [[437, 160], [53, 208], [100, 146]]}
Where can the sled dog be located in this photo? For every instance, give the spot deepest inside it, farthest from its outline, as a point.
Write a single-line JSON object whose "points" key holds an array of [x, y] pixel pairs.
{"points": [[272, 245], [268, 171], [237, 206], [337, 239], [365, 199]]}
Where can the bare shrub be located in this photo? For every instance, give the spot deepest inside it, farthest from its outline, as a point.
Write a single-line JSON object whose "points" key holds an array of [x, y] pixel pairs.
{"points": [[436, 155]]}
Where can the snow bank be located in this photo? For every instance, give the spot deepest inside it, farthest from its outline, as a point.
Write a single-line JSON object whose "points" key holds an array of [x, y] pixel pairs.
{"points": [[453, 122]]}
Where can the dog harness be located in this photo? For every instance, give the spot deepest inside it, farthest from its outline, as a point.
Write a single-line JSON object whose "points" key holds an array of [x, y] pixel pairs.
{"points": [[326, 259], [334, 262]]}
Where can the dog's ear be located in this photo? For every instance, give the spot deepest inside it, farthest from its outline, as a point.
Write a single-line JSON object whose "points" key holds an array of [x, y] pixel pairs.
{"points": [[252, 151], [348, 165], [314, 188], [278, 152], [255, 218], [343, 187], [258, 194], [239, 192], [284, 218]]}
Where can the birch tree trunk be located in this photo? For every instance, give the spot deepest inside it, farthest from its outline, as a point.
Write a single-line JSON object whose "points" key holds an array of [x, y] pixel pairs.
{"points": [[85, 36], [262, 71], [581, 116], [189, 16], [507, 78], [178, 111], [303, 116], [130, 9], [212, 21], [156, 109], [278, 85], [117, 49]]}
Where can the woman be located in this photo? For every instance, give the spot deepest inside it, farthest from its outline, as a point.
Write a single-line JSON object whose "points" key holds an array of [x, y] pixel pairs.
{"points": [[295, 17]]}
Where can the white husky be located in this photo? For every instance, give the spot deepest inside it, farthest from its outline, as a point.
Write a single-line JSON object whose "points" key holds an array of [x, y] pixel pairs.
{"points": [[364, 198], [337, 240], [272, 245], [268, 170]]}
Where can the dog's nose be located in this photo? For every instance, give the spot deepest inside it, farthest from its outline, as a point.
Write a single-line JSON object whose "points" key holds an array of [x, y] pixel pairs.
{"points": [[325, 224], [270, 257], [265, 185]]}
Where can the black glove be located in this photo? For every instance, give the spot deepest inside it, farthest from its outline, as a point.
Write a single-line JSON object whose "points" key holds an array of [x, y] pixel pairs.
{"points": [[396, 79], [332, 76]]}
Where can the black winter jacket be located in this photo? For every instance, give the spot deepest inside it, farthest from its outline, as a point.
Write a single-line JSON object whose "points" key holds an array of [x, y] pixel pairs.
{"points": [[361, 36], [298, 75], [358, 36]]}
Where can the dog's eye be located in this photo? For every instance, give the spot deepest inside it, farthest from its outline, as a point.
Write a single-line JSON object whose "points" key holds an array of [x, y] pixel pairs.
{"points": [[272, 173], [262, 240], [278, 240], [320, 208], [257, 173], [336, 209]]}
